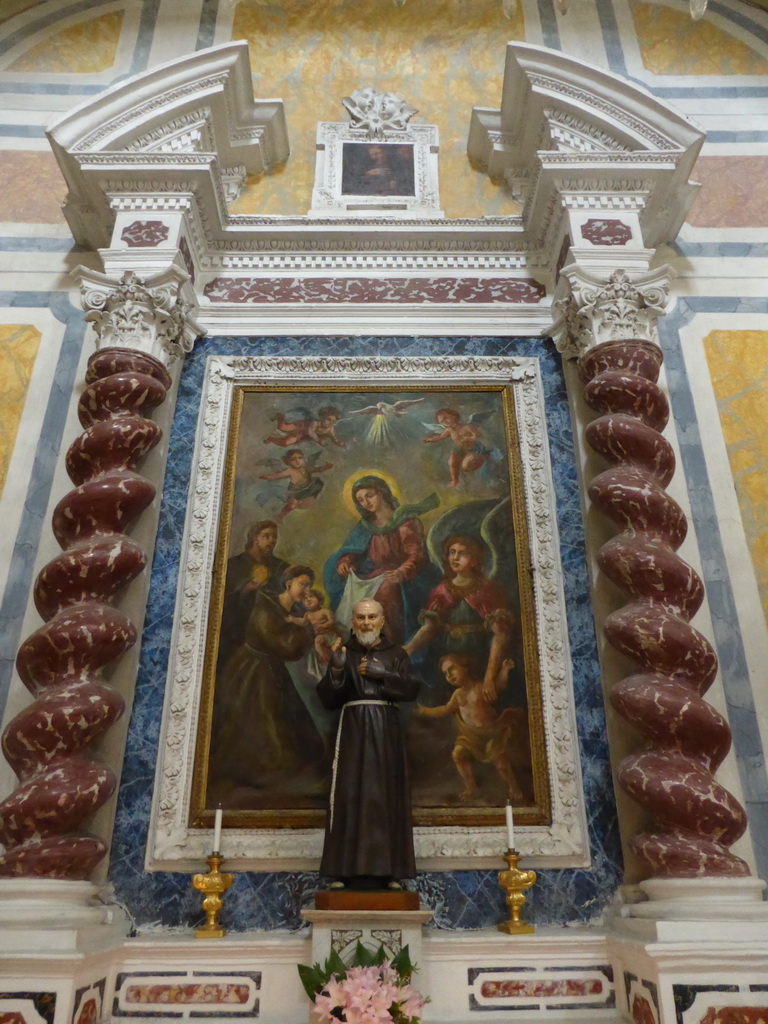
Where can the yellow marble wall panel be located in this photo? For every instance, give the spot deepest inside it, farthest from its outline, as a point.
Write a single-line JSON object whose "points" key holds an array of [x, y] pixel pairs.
{"points": [[18, 351], [738, 365], [85, 48], [9, 9], [671, 43], [733, 192], [31, 187], [444, 74]]}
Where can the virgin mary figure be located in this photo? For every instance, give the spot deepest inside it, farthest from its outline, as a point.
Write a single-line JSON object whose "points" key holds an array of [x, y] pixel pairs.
{"points": [[387, 550]]}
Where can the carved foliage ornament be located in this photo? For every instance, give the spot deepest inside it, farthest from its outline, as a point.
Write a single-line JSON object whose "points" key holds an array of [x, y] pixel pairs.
{"points": [[148, 317], [622, 307], [377, 112]]}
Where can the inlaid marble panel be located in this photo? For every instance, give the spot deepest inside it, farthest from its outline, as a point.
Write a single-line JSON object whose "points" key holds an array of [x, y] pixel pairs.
{"points": [[27, 1007], [88, 1005], [368, 289], [548, 989], [671, 43], [19, 344], [738, 365], [187, 995], [32, 188], [732, 194], [88, 47]]}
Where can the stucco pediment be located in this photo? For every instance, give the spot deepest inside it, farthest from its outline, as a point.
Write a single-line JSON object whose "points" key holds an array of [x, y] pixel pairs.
{"points": [[168, 129], [564, 126]]}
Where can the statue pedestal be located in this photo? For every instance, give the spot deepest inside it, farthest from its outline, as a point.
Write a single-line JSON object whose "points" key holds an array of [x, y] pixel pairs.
{"points": [[351, 899], [341, 930]]}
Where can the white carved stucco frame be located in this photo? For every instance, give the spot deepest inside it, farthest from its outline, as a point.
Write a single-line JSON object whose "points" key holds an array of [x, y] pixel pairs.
{"points": [[327, 197], [173, 845]]}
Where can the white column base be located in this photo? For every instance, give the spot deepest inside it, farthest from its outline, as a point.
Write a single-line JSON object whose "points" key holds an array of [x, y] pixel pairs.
{"points": [[49, 914], [701, 899]]}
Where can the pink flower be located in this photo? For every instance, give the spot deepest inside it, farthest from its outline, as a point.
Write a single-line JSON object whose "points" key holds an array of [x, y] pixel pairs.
{"points": [[366, 996], [322, 1009], [413, 1003], [334, 989]]}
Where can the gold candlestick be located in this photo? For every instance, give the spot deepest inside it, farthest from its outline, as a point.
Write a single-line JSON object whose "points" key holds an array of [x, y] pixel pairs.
{"points": [[514, 883], [213, 885]]}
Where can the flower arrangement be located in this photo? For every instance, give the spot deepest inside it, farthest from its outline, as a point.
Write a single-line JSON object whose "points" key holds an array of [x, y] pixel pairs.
{"points": [[371, 990]]}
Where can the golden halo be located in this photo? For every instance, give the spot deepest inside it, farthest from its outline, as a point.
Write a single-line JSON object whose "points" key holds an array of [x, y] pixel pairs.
{"points": [[352, 480]]}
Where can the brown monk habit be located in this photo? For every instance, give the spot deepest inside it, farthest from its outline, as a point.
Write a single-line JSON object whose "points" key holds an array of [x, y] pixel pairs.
{"points": [[368, 831]]}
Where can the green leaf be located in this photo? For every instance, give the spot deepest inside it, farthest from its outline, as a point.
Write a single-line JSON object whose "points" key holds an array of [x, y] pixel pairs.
{"points": [[380, 956], [335, 965], [312, 978], [402, 964], [363, 957]]}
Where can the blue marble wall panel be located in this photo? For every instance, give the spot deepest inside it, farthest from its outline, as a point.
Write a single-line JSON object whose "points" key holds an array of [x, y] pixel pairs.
{"points": [[459, 899]]}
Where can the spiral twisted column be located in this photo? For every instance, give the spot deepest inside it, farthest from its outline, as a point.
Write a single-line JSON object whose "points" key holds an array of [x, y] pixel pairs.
{"points": [[140, 326], [696, 820], [47, 744]]}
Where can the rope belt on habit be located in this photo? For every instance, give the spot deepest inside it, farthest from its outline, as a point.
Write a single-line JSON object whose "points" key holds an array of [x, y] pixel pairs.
{"points": [[349, 704], [357, 703]]}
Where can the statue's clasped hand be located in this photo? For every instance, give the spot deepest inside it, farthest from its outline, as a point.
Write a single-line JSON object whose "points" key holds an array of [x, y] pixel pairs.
{"points": [[372, 668]]}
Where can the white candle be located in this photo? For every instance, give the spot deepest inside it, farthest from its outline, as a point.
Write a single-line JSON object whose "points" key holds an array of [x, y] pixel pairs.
{"points": [[510, 827], [217, 831]]}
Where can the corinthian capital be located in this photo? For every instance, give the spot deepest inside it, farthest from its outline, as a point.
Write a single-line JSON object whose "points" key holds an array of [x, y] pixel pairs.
{"points": [[146, 315], [617, 309]]}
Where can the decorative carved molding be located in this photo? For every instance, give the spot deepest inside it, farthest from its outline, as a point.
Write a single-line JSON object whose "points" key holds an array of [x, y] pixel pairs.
{"points": [[572, 133], [151, 316], [597, 311], [587, 128], [376, 112], [172, 842]]}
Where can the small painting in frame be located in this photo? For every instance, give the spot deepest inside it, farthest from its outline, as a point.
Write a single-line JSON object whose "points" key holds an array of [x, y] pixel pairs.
{"points": [[377, 169]]}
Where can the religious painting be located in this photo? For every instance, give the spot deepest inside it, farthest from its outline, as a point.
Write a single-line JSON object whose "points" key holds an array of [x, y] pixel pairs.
{"points": [[408, 495], [377, 169]]}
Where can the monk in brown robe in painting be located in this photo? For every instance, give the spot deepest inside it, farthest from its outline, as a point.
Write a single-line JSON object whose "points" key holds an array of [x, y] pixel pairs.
{"points": [[368, 834]]}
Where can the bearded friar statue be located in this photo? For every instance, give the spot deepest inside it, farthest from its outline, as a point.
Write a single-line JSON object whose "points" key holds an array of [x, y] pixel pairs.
{"points": [[368, 833]]}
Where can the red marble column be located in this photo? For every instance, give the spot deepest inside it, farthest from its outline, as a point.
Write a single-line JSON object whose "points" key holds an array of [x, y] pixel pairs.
{"points": [[61, 784], [695, 819]]}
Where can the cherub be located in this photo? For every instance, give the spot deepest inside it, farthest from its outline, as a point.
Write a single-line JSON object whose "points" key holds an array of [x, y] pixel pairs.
{"points": [[304, 487], [323, 429], [324, 624], [469, 453], [305, 427], [482, 733]]}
